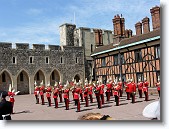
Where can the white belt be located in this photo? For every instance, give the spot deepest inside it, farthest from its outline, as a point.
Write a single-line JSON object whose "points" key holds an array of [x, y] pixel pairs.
{"points": [[5, 116], [11, 97]]}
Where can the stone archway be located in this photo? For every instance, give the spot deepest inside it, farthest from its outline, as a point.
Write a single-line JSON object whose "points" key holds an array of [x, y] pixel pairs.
{"points": [[77, 78], [5, 80], [23, 82], [54, 77], [39, 76]]}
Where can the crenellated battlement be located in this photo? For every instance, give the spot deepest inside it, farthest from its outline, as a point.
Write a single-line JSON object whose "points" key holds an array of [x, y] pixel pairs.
{"points": [[5, 45], [22, 46]]}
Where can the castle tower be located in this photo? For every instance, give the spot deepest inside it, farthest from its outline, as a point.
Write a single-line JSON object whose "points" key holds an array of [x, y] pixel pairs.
{"points": [[67, 34]]}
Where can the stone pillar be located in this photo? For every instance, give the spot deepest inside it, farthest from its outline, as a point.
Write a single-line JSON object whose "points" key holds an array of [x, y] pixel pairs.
{"points": [[31, 84], [14, 82]]}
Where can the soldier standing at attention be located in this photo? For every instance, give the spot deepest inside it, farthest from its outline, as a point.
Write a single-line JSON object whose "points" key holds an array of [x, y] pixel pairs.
{"points": [[48, 94], [42, 91], [145, 88], [140, 87], [55, 94], [36, 93]]}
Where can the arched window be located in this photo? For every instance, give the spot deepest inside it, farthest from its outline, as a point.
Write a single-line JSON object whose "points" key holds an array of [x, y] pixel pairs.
{"points": [[21, 76], [3, 77]]}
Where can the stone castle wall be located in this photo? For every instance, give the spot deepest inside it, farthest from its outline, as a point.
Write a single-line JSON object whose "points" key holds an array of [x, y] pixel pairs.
{"points": [[67, 70]]}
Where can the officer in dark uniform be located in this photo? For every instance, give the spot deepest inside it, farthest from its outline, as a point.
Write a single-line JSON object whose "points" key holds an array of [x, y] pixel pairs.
{"points": [[5, 107]]}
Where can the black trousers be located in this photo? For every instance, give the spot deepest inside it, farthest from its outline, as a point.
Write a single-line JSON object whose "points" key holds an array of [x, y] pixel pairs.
{"points": [[98, 101]]}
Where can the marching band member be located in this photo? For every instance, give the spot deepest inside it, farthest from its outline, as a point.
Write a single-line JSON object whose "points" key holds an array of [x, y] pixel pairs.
{"points": [[140, 87], [11, 94], [91, 91], [97, 94], [60, 92], [36, 92], [48, 94], [101, 91], [127, 85], [133, 91], [108, 91], [65, 96], [55, 94], [120, 86], [42, 91], [116, 93], [158, 85], [76, 97], [145, 88], [81, 91], [86, 92]]}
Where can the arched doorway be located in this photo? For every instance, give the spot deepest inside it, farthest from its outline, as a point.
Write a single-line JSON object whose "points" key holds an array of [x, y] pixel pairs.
{"points": [[54, 77], [23, 83], [77, 78], [39, 76], [5, 80]]}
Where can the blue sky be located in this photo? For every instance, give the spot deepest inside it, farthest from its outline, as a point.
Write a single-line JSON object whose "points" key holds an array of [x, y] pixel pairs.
{"points": [[38, 21]]}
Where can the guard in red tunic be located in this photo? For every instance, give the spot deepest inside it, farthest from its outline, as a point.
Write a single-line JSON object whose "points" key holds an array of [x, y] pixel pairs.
{"points": [[127, 86], [66, 96], [55, 94], [48, 94], [76, 99], [140, 87], [108, 91], [120, 87], [145, 89], [60, 92], [158, 85], [81, 91], [11, 94], [116, 93], [42, 91], [101, 92], [86, 92], [97, 93], [133, 91], [36, 93], [91, 92]]}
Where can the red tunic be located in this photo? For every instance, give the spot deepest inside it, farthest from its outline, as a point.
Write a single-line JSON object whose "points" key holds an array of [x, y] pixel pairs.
{"points": [[65, 94], [140, 85], [120, 84], [55, 93], [145, 86], [76, 95], [86, 91], [11, 97], [48, 92], [42, 88], [127, 87], [36, 90], [109, 86], [97, 91]]}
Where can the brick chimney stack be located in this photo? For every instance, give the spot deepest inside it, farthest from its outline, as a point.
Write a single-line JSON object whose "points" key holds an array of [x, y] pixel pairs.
{"points": [[98, 37], [155, 14], [130, 33], [146, 25], [127, 33], [119, 26], [138, 27]]}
